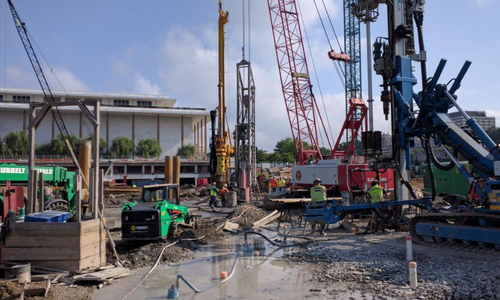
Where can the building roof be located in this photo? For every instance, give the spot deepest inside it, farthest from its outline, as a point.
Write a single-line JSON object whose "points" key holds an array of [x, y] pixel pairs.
{"points": [[471, 113], [93, 95], [170, 111]]}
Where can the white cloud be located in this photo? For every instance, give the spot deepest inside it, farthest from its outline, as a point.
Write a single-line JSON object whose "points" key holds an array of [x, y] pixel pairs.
{"points": [[494, 113], [122, 67], [20, 78], [69, 81], [143, 85]]}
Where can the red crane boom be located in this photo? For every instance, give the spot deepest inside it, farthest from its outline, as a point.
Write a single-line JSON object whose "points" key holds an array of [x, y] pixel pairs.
{"points": [[303, 113]]}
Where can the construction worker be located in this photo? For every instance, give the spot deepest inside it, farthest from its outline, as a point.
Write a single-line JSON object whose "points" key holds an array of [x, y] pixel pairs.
{"points": [[213, 195], [281, 184], [376, 192], [223, 192], [318, 193], [273, 184]]}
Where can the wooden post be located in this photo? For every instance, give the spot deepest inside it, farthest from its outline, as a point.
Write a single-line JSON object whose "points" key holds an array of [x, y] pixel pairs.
{"points": [[84, 160], [77, 181], [177, 173], [169, 164], [29, 203], [101, 192], [34, 187], [31, 162], [97, 108], [41, 197], [91, 191]]}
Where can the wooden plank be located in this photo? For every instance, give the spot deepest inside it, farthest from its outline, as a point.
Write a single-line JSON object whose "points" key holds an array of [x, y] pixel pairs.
{"points": [[101, 275], [32, 240], [53, 227], [69, 265], [273, 218], [265, 218], [231, 227], [45, 253]]}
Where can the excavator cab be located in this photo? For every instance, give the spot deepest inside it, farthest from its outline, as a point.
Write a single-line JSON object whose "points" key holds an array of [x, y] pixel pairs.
{"points": [[161, 192]]}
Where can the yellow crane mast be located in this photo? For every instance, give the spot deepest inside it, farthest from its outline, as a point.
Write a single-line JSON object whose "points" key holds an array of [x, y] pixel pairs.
{"points": [[223, 143]]}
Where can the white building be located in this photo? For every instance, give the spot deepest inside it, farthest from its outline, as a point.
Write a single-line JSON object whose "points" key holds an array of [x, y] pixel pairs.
{"points": [[130, 115]]}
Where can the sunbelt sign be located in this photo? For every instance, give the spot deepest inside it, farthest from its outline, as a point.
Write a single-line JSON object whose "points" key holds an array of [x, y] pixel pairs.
{"points": [[20, 170]]}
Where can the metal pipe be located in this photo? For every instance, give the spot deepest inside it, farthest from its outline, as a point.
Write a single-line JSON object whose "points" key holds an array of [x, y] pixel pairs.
{"points": [[369, 69], [452, 100]]}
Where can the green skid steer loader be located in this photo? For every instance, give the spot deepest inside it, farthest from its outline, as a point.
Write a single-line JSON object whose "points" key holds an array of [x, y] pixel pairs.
{"points": [[156, 216]]}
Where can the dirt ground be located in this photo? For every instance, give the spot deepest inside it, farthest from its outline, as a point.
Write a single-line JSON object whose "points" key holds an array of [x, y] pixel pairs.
{"points": [[141, 254], [11, 291]]}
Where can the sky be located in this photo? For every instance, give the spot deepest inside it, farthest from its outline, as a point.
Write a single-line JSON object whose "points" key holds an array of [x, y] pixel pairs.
{"points": [[169, 47]]}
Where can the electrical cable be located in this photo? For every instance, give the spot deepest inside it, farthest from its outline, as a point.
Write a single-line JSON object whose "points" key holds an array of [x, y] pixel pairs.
{"points": [[157, 261], [333, 28], [316, 75], [323, 25], [308, 240]]}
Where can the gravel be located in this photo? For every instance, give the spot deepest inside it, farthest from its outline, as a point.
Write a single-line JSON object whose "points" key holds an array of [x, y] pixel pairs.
{"points": [[379, 270]]}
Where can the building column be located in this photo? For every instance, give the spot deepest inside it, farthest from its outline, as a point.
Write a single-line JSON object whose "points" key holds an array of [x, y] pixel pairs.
{"points": [[158, 128], [194, 140], [107, 132], [206, 139], [80, 126], [53, 126], [182, 131], [198, 138], [24, 121], [133, 128]]}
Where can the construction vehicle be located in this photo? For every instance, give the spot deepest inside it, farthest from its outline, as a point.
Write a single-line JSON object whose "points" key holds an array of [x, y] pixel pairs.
{"points": [[424, 115], [54, 177], [221, 146], [343, 173], [156, 216]]}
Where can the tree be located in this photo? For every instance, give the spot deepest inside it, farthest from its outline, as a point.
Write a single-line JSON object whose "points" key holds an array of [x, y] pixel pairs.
{"points": [[44, 149], [148, 148], [262, 155], [285, 152], [102, 143], [357, 143], [494, 134], [325, 151], [122, 146], [58, 146], [16, 143], [186, 151]]}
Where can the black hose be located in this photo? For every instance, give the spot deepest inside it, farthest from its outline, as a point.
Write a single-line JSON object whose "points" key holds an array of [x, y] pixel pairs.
{"points": [[429, 166], [308, 240], [436, 162]]}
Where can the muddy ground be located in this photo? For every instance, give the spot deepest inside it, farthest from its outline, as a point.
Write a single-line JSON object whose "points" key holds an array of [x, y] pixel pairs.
{"points": [[11, 291], [135, 255]]}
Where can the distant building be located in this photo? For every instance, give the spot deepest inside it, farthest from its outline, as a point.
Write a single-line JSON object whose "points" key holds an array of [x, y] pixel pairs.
{"points": [[480, 116], [130, 115]]}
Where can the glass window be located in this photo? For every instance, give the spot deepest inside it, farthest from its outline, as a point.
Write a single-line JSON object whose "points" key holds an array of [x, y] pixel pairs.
{"points": [[21, 99], [1, 97], [144, 103], [121, 102]]}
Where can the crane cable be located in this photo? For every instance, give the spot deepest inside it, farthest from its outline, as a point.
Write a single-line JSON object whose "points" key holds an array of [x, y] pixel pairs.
{"points": [[315, 74]]}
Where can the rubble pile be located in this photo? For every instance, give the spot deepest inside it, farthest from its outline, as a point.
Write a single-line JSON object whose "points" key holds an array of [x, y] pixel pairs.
{"points": [[245, 215]]}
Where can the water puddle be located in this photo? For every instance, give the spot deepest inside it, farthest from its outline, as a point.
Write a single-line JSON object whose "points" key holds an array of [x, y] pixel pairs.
{"points": [[266, 276]]}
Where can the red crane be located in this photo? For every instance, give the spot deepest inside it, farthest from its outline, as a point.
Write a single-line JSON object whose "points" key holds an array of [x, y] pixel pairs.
{"points": [[303, 113]]}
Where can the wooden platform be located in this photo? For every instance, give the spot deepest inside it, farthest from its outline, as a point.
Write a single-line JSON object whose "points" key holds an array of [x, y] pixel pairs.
{"points": [[64, 246]]}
